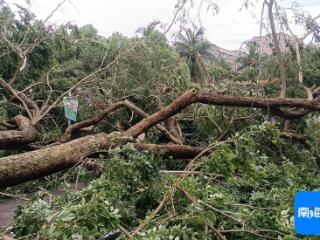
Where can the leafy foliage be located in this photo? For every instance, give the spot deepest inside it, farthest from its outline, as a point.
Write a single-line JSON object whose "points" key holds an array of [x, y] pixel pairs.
{"points": [[243, 189], [192, 45], [63, 55]]}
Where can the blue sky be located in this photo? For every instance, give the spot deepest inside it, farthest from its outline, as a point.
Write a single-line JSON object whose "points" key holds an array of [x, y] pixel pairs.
{"points": [[228, 29]]}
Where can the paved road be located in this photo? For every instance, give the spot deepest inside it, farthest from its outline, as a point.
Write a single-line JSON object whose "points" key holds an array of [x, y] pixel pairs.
{"points": [[8, 206]]}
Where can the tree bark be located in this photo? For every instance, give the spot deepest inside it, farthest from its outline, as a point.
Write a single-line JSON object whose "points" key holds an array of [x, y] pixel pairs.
{"points": [[173, 150], [278, 50], [14, 138], [174, 128], [31, 165], [222, 100], [171, 136]]}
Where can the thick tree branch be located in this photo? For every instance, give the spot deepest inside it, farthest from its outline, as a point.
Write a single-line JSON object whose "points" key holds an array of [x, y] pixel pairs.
{"points": [[220, 100], [77, 126], [141, 113], [31, 165], [108, 110], [14, 138], [173, 150]]}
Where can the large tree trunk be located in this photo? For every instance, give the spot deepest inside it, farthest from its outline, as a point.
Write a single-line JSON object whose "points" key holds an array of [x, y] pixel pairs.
{"points": [[32, 165], [15, 138], [19, 168], [278, 49]]}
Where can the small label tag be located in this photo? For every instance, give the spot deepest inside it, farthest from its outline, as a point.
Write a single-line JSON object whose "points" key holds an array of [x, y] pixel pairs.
{"points": [[71, 108], [307, 213]]}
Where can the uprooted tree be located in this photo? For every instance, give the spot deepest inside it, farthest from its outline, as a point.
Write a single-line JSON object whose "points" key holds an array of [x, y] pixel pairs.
{"points": [[140, 89]]}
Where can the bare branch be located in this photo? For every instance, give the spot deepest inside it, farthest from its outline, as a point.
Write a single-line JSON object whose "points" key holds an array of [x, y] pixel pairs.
{"points": [[45, 105], [54, 10], [13, 91], [80, 82]]}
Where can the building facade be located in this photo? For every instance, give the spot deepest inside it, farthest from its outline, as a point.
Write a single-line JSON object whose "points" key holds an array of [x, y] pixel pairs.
{"points": [[266, 44], [230, 56]]}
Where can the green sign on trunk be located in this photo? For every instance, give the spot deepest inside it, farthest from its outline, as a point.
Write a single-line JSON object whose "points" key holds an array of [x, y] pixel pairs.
{"points": [[70, 108]]}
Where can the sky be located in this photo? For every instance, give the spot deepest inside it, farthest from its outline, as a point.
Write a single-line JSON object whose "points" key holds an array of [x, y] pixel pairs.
{"points": [[228, 29]]}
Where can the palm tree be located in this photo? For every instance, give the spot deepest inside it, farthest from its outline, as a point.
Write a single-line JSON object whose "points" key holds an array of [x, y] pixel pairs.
{"points": [[191, 44], [250, 55], [249, 61], [149, 29]]}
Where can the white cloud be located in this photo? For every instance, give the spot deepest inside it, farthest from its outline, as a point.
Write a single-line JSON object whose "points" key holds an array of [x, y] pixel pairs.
{"points": [[227, 29]]}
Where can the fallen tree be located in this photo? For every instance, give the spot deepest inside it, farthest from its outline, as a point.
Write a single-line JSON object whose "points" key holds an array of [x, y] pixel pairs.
{"points": [[143, 202], [31, 165]]}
